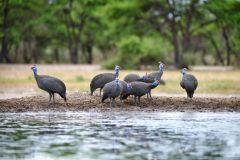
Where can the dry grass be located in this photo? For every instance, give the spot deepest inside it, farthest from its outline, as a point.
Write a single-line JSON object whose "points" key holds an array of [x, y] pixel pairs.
{"points": [[78, 77]]}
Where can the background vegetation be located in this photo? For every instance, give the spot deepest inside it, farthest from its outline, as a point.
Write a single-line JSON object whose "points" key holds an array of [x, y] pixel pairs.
{"points": [[127, 32]]}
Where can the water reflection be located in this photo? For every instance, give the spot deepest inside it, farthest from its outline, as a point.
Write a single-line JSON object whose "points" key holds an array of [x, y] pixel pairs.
{"points": [[120, 135]]}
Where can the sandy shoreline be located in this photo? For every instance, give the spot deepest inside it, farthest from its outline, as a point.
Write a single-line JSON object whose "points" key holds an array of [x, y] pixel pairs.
{"points": [[79, 101]]}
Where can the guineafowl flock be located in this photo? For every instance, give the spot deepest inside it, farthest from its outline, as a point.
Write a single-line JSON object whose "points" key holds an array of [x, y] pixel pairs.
{"points": [[112, 87]]}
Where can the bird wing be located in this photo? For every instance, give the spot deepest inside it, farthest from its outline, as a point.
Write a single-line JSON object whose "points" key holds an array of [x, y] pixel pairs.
{"points": [[189, 82], [53, 84], [102, 79], [182, 84], [195, 82], [155, 75]]}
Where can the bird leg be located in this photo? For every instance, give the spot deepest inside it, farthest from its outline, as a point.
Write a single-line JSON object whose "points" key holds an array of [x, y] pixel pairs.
{"points": [[110, 102], [150, 94], [50, 97], [113, 102], [100, 91], [135, 100], [53, 99], [139, 101], [121, 102]]}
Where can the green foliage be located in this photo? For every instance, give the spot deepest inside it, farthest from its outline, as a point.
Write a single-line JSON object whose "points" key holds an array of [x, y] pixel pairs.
{"points": [[128, 33], [134, 51]]}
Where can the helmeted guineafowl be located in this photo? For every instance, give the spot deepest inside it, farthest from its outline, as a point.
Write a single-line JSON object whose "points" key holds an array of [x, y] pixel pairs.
{"points": [[101, 79], [131, 77], [125, 91], [151, 77], [112, 90], [189, 83], [153, 85], [139, 89], [50, 84]]}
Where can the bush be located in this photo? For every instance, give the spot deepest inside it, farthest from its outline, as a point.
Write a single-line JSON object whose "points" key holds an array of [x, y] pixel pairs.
{"points": [[135, 51]]}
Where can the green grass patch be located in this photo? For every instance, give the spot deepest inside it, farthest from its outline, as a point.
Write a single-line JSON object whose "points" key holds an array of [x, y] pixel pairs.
{"points": [[80, 79]]}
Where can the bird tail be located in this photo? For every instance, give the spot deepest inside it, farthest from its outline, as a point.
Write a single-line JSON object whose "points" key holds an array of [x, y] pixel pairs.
{"points": [[104, 97], [190, 94], [162, 82]]}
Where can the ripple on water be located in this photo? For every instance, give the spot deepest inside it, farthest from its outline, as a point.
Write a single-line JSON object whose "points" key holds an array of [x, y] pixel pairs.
{"points": [[119, 135]]}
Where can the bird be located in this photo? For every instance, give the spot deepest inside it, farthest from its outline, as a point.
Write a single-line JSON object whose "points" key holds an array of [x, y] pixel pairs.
{"points": [[151, 77], [125, 91], [189, 83], [50, 84], [139, 89], [131, 77], [153, 85], [112, 90], [101, 79]]}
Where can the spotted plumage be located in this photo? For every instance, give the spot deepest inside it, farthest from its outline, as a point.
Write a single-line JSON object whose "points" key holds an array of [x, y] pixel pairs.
{"points": [[112, 90], [101, 79], [189, 83], [50, 84]]}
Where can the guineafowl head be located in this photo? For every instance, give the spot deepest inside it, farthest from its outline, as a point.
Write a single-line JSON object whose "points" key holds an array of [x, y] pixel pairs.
{"points": [[161, 66], [129, 87], [117, 68], [34, 69], [184, 71]]}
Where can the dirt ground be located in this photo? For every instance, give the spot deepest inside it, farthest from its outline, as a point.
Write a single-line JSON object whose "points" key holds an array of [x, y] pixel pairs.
{"points": [[82, 101]]}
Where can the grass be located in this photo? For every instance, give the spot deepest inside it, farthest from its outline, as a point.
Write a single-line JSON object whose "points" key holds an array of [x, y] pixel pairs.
{"points": [[222, 82]]}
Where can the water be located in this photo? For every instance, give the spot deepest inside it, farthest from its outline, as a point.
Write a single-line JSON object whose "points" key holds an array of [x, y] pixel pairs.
{"points": [[120, 135]]}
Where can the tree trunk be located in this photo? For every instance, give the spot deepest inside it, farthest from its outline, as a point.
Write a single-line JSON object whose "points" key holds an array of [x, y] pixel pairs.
{"points": [[16, 54], [173, 26], [186, 32], [5, 40], [35, 52], [26, 49], [74, 55], [218, 52], [225, 36], [203, 57], [56, 55], [89, 52], [175, 45]]}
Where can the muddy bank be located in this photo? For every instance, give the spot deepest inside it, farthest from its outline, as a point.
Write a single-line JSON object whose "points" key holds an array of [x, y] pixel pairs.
{"points": [[84, 102]]}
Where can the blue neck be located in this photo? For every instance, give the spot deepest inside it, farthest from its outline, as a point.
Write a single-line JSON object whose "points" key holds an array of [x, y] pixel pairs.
{"points": [[154, 84], [117, 72], [35, 72]]}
